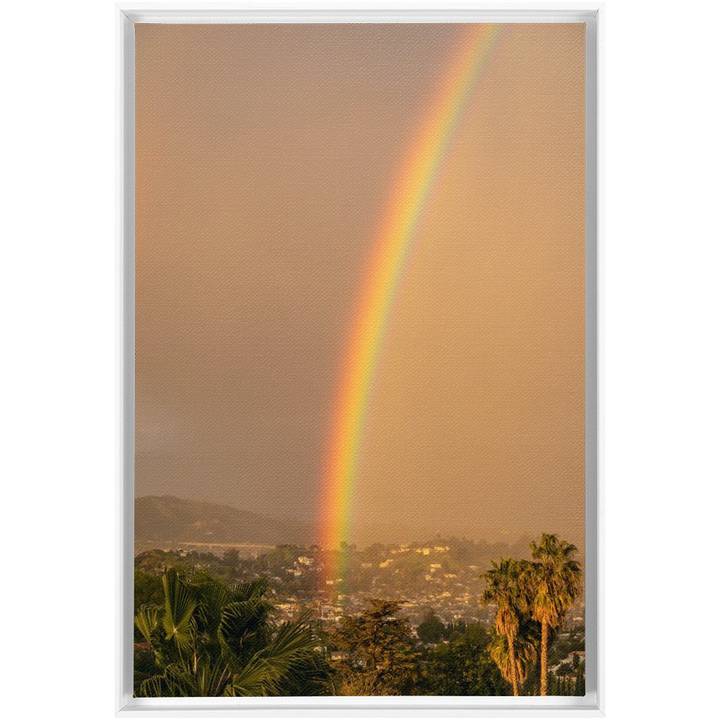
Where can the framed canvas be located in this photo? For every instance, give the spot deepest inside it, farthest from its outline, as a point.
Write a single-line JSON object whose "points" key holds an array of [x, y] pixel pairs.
{"points": [[359, 437]]}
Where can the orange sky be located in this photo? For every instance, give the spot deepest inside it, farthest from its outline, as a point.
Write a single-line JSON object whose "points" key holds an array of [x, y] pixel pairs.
{"points": [[265, 154]]}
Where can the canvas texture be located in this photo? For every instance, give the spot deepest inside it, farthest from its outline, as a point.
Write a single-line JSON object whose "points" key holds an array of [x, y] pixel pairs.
{"points": [[360, 359]]}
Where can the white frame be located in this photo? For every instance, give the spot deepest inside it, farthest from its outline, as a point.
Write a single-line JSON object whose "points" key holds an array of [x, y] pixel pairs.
{"points": [[127, 14]]}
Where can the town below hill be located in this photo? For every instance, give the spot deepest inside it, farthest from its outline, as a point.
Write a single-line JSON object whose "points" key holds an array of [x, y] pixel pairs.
{"points": [[442, 575], [434, 588]]}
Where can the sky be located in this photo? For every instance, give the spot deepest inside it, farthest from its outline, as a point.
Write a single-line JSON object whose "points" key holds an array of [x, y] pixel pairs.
{"points": [[265, 158]]}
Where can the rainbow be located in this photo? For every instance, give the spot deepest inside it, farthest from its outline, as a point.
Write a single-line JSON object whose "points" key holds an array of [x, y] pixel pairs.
{"points": [[407, 203]]}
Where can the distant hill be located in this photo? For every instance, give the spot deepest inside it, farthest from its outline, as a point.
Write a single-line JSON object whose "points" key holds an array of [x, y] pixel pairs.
{"points": [[169, 522], [169, 519]]}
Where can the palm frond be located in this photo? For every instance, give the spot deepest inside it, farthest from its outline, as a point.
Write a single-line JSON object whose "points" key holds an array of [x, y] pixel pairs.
{"points": [[243, 626], [175, 681], [255, 679], [146, 621], [180, 604]]}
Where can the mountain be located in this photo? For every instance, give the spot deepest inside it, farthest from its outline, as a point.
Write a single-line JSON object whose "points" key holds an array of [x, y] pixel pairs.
{"points": [[166, 519]]}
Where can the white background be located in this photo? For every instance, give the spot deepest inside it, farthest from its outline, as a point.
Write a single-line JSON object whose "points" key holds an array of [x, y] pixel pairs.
{"points": [[57, 291]]}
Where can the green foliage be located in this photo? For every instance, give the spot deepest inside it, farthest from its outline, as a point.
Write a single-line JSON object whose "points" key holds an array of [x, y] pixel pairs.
{"points": [[506, 588], [553, 584], [381, 659], [567, 680], [463, 667], [148, 589], [206, 627], [231, 558], [474, 633], [580, 680], [525, 651], [555, 579], [212, 639], [431, 629], [532, 599]]}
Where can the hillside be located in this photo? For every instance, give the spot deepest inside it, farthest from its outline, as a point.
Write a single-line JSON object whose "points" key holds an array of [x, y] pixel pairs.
{"points": [[170, 519]]}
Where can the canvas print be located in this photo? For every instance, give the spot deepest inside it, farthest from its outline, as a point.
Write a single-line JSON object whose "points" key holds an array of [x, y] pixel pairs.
{"points": [[360, 360]]}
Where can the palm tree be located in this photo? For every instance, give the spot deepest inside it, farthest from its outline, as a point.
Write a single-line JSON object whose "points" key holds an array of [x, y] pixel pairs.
{"points": [[525, 653], [505, 589], [211, 639], [555, 580]]}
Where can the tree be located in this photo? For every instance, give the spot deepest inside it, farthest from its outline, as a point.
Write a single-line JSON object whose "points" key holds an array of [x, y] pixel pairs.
{"points": [[379, 647], [525, 651], [231, 558], [211, 639], [148, 589], [431, 629], [555, 581], [463, 667], [504, 588], [580, 680]]}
